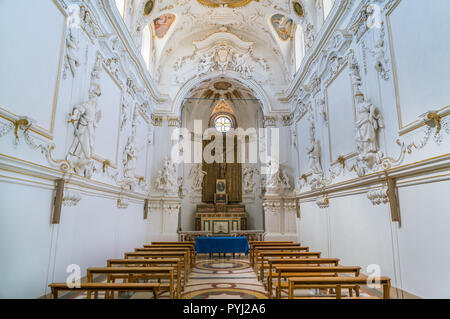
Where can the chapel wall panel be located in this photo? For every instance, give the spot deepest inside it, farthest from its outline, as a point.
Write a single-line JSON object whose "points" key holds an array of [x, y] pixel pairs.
{"points": [[31, 59], [420, 57]]}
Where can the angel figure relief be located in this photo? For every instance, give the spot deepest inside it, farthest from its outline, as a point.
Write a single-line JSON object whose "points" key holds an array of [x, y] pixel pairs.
{"points": [[84, 119]]}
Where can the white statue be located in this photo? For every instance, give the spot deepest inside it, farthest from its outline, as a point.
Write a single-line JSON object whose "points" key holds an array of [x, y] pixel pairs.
{"points": [[129, 158], [248, 175], [167, 178], [285, 179], [370, 121], [84, 118], [198, 177], [277, 180], [71, 53], [355, 75], [313, 152], [207, 62]]}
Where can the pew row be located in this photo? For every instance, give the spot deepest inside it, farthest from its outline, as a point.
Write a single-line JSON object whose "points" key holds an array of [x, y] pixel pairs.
{"points": [[335, 283], [175, 263], [285, 272], [133, 274], [108, 288]]}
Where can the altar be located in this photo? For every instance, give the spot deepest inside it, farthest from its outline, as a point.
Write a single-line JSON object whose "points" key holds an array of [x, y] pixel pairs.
{"points": [[210, 245], [221, 211], [220, 219]]}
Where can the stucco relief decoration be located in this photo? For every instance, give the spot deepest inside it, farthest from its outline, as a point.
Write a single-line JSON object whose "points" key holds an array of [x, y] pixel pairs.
{"points": [[310, 36], [378, 196], [369, 123], [84, 119], [379, 52], [21, 128], [314, 155], [71, 199], [197, 177], [71, 59], [228, 3], [436, 129], [321, 106], [277, 181], [248, 179], [166, 180], [323, 202], [129, 159], [221, 52]]}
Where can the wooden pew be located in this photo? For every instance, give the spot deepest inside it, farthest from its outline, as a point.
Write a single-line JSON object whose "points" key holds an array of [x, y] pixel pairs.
{"points": [[175, 263], [335, 283], [285, 272], [300, 262], [131, 272], [294, 247], [253, 246], [184, 257], [163, 249], [106, 287], [264, 255], [191, 248]]}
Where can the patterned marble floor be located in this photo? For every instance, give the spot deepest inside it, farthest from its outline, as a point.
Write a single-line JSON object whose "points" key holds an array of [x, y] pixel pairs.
{"points": [[221, 278]]}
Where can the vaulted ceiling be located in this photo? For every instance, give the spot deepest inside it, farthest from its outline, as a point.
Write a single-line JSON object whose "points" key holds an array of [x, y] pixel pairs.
{"points": [[194, 20]]}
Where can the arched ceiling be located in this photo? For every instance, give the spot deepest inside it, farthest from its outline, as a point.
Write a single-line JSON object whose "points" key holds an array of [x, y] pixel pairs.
{"points": [[195, 20], [201, 101]]}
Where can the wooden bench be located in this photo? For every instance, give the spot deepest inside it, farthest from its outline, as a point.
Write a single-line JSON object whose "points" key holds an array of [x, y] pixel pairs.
{"points": [[190, 247], [108, 288], [285, 272], [175, 263], [300, 262], [267, 244], [162, 255], [253, 244], [129, 274], [163, 249], [261, 264], [335, 283], [258, 249]]}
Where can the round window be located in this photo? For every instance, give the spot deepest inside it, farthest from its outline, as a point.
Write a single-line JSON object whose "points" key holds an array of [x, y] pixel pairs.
{"points": [[223, 124]]}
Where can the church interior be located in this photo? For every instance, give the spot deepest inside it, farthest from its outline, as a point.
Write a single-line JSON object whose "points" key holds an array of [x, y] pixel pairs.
{"points": [[224, 149]]}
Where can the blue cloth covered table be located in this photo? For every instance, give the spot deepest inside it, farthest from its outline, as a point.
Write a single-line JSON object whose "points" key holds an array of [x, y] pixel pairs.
{"points": [[221, 245]]}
